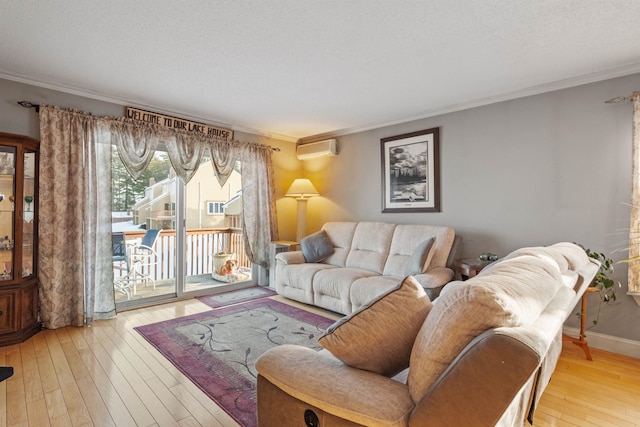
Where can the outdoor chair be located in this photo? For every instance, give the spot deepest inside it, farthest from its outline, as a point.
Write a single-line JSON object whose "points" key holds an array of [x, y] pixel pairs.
{"points": [[139, 259], [120, 260]]}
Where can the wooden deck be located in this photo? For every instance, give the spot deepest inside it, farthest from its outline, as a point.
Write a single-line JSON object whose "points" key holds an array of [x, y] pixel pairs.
{"points": [[168, 287]]}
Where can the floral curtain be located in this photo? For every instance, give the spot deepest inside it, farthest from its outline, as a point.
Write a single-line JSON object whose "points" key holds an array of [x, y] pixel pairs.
{"points": [[98, 249], [136, 145], [185, 154], [223, 159], [74, 222], [634, 246], [258, 204]]}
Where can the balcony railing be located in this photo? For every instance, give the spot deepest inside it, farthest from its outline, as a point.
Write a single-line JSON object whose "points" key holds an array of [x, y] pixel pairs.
{"points": [[201, 245]]}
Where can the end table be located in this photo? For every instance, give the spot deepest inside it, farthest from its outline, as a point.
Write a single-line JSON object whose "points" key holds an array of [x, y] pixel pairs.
{"points": [[581, 341], [469, 267]]}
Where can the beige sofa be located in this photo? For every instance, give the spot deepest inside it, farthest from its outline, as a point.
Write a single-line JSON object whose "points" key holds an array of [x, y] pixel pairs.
{"points": [[368, 259], [482, 356]]}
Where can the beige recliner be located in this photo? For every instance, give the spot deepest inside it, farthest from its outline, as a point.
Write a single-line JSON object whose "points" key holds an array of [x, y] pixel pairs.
{"points": [[482, 356]]}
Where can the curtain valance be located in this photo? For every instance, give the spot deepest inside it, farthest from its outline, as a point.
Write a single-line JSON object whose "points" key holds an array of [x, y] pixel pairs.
{"points": [[137, 142]]}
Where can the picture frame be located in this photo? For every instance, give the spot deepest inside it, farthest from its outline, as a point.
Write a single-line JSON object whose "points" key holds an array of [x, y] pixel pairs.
{"points": [[411, 172]]}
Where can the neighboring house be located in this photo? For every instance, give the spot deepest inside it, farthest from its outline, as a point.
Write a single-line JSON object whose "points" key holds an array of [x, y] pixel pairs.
{"points": [[232, 211], [205, 202]]}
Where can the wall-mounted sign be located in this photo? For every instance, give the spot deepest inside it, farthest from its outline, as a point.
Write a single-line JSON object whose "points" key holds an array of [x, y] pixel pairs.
{"points": [[177, 123]]}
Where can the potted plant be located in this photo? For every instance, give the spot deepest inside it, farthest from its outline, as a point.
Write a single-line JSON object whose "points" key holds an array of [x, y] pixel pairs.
{"points": [[602, 282]]}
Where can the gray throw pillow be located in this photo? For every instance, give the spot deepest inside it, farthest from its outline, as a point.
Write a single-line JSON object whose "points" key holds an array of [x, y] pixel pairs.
{"points": [[316, 247], [416, 262]]}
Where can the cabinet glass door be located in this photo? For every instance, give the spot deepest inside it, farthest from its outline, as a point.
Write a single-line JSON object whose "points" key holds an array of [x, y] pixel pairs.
{"points": [[28, 213], [7, 209]]}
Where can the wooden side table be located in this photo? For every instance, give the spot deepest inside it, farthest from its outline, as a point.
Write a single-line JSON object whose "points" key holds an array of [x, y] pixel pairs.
{"points": [[469, 267], [581, 341]]}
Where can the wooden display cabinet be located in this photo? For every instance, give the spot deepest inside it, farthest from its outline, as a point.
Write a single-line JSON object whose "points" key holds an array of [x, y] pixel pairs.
{"points": [[19, 315]]}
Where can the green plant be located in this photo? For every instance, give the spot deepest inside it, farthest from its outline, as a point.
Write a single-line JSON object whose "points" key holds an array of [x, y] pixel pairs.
{"points": [[605, 285]]}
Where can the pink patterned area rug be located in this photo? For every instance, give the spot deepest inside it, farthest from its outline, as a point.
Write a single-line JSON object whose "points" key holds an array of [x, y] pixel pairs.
{"points": [[234, 297], [217, 349]]}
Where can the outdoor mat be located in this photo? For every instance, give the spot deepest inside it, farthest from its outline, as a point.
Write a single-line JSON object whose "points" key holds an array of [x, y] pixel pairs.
{"points": [[217, 349], [234, 297]]}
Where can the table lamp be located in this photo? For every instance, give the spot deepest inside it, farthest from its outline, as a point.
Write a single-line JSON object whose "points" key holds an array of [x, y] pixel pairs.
{"points": [[302, 189]]}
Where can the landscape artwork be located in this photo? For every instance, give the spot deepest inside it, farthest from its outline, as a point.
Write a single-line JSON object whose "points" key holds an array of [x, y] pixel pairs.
{"points": [[410, 172]]}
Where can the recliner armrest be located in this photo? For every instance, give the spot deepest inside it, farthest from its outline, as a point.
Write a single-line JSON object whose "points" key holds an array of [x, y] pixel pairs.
{"points": [[289, 258], [434, 280], [483, 381], [324, 382]]}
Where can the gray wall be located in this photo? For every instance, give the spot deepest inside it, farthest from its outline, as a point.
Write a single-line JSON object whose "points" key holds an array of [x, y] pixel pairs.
{"points": [[532, 171]]}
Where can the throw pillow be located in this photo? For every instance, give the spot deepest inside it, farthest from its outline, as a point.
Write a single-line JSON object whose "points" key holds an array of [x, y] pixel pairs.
{"points": [[316, 247], [379, 337], [417, 263]]}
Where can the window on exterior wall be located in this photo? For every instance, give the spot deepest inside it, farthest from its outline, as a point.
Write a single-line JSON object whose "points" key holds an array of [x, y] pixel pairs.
{"points": [[215, 208]]}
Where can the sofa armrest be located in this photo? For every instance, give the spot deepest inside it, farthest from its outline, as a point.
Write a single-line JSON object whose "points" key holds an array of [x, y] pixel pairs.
{"points": [[501, 365], [288, 258], [434, 280], [321, 380]]}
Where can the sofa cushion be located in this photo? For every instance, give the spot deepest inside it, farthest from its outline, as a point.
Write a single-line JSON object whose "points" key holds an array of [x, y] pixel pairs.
{"points": [[370, 246], [550, 255], [332, 287], [316, 247], [512, 293], [296, 281], [367, 289], [407, 237], [341, 234], [418, 261], [379, 337], [576, 256]]}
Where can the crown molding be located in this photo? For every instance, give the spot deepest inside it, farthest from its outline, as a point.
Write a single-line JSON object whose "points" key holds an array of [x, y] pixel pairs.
{"points": [[530, 91], [522, 93]]}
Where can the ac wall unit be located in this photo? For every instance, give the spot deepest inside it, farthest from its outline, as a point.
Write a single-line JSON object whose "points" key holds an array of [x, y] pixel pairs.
{"points": [[314, 150]]}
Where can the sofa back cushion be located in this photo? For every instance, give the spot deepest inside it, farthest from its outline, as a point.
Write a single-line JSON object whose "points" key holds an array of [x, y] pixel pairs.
{"points": [[512, 293], [576, 257], [408, 237], [370, 246], [341, 235]]}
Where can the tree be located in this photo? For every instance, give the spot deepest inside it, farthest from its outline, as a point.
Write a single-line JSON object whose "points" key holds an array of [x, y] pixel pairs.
{"points": [[125, 190]]}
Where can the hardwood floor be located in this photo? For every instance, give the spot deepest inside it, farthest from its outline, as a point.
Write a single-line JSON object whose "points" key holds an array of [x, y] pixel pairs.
{"points": [[108, 375]]}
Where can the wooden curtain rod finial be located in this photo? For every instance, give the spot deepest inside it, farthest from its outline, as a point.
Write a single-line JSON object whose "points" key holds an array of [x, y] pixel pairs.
{"points": [[27, 104]]}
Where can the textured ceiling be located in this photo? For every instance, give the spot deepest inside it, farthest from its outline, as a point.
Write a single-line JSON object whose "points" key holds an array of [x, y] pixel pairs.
{"points": [[302, 68]]}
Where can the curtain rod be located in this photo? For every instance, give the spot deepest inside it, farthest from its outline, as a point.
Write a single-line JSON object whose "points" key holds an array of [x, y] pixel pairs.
{"points": [[27, 104]]}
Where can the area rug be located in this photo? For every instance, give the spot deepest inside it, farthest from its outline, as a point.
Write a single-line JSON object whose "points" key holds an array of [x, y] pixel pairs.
{"points": [[217, 349], [234, 297]]}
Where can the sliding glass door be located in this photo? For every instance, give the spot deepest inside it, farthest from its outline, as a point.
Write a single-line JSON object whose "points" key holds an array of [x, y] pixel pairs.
{"points": [[172, 239]]}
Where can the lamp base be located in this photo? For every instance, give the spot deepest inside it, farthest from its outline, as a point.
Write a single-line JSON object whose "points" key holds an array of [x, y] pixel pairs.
{"points": [[301, 230]]}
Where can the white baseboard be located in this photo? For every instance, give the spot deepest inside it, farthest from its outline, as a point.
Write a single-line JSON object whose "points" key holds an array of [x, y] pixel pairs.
{"points": [[608, 342]]}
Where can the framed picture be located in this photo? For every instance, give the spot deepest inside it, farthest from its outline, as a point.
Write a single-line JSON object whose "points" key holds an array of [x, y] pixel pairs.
{"points": [[411, 172]]}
